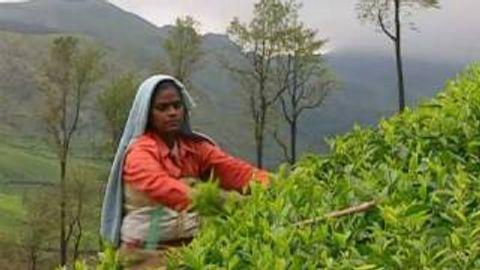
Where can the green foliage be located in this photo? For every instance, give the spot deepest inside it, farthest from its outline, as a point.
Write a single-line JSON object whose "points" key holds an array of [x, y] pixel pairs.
{"points": [[109, 260], [115, 103], [207, 199], [29, 206], [67, 76], [11, 213], [183, 47], [305, 78], [261, 41], [423, 168], [210, 200]]}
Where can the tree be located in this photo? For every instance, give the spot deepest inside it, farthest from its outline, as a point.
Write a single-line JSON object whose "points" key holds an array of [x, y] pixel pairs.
{"points": [[259, 42], [83, 206], [183, 47], [39, 224], [37, 231], [115, 102], [388, 14], [68, 75], [306, 79]]}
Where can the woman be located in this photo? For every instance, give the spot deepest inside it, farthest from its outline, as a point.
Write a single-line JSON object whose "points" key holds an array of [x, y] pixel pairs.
{"points": [[148, 193]]}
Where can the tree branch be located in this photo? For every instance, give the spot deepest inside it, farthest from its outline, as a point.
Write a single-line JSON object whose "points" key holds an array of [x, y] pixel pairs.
{"points": [[282, 145], [69, 232], [384, 27], [285, 113], [313, 105], [78, 101], [78, 238], [360, 208]]}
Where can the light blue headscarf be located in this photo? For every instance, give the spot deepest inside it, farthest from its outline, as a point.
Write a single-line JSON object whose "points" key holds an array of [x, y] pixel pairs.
{"points": [[136, 124]]}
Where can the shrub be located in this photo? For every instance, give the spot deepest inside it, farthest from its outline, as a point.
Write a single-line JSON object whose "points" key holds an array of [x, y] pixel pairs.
{"points": [[421, 168]]}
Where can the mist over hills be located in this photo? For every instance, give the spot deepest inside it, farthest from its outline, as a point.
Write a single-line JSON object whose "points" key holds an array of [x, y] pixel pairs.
{"points": [[368, 80]]}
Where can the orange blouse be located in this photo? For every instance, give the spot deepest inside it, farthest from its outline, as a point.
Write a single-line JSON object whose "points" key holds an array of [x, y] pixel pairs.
{"points": [[150, 167]]}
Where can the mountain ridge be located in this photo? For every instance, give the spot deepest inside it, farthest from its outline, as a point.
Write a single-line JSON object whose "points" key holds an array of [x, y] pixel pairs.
{"points": [[368, 92]]}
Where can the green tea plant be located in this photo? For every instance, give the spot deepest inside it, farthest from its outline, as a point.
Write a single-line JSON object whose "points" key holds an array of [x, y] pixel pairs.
{"points": [[420, 172], [108, 260], [207, 199]]}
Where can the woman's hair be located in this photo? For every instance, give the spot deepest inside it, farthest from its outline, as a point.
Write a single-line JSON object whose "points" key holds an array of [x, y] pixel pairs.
{"points": [[163, 85]]}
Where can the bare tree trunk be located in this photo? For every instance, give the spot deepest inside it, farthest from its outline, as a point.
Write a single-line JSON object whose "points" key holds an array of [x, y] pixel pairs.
{"points": [[34, 262], [63, 240], [33, 258], [260, 123], [398, 53], [260, 138], [293, 141], [78, 222], [78, 239], [259, 151], [293, 123]]}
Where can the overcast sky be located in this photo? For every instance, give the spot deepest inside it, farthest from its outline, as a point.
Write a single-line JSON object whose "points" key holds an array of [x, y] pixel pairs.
{"points": [[451, 33]]}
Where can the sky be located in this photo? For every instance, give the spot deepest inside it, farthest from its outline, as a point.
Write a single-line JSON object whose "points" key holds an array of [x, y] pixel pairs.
{"points": [[451, 33]]}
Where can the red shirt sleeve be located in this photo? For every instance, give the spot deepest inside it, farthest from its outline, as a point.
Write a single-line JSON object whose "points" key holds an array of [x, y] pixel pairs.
{"points": [[234, 173], [143, 171]]}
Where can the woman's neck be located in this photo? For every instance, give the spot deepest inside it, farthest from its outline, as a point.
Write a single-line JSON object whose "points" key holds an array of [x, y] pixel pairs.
{"points": [[169, 139]]}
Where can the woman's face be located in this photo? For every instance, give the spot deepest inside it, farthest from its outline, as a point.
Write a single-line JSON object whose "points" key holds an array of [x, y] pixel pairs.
{"points": [[166, 114]]}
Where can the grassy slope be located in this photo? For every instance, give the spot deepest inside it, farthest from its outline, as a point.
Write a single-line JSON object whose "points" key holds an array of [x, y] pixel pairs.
{"points": [[28, 159], [17, 164], [31, 159], [11, 212]]}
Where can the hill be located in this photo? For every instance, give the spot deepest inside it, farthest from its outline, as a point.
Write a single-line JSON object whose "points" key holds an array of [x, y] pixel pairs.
{"points": [[368, 90], [137, 39]]}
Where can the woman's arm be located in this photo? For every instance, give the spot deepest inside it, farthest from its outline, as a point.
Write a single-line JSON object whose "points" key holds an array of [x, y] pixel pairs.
{"points": [[234, 173]]}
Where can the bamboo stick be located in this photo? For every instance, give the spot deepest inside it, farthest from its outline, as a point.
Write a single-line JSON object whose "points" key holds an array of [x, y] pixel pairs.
{"points": [[363, 207]]}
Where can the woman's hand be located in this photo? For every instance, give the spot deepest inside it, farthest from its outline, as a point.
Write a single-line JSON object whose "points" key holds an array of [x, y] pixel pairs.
{"points": [[189, 181]]}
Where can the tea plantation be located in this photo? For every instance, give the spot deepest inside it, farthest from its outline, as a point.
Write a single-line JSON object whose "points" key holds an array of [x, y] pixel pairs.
{"points": [[418, 172], [421, 168]]}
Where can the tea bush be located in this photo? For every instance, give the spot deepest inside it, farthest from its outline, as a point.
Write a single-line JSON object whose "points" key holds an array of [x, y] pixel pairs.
{"points": [[421, 168]]}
